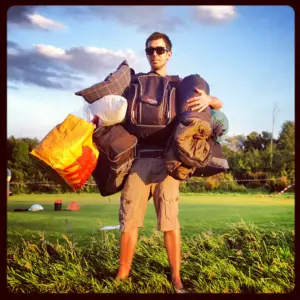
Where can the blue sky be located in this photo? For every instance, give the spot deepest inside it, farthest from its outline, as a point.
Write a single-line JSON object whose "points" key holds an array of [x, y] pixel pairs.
{"points": [[245, 53]]}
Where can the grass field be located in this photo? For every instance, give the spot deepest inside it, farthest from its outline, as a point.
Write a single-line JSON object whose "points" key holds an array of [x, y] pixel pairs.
{"points": [[231, 243], [197, 213]]}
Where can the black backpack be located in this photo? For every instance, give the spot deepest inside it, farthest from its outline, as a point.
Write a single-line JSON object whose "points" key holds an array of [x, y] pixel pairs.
{"points": [[151, 105]]}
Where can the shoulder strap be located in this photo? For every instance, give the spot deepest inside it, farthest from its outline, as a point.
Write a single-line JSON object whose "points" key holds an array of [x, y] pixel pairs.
{"points": [[173, 78], [134, 77]]}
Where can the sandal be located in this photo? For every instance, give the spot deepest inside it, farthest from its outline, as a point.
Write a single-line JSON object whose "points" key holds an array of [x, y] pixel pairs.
{"points": [[181, 290]]}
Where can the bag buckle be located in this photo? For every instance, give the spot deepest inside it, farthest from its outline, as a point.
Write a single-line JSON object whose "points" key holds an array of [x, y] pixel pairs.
{"points": [[150, 153]]}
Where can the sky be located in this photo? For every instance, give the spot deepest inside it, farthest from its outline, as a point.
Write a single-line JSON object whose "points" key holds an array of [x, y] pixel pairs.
{"points": [[245, 53]]}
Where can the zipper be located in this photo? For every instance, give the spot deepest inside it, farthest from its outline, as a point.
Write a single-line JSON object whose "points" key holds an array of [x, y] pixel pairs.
{"points": [[140, 102], [163, 101], [133, 120], [140, 106], [170, 105]]}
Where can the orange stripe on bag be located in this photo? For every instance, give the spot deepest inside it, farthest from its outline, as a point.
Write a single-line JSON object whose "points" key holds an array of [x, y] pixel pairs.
{"points": [[85, 166]]}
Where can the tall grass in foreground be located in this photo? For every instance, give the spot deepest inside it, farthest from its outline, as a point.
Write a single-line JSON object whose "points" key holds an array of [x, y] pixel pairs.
{"points": [[244, 260]]}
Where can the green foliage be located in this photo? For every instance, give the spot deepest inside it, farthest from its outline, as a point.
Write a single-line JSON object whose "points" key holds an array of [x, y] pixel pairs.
{"points": [[286, 139], [246, 156]]}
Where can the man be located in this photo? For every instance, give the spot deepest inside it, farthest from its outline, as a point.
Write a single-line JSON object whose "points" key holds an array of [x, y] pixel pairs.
{"points": [[148, 177], [8, 180]]}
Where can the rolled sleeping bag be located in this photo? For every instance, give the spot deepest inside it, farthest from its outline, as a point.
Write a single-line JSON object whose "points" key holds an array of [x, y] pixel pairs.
{"points": [[189, 148], [185, 91]]}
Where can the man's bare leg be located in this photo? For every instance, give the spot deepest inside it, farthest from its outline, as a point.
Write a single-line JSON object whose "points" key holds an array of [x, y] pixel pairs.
{"points": [[128, 242], [172, 244]]}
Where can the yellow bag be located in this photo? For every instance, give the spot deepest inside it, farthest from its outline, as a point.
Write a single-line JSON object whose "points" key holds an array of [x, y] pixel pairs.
{"points": [[68, 152]]}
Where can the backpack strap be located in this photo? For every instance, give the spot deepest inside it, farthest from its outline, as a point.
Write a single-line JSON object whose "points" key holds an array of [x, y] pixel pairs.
{"points": [[171, 78], [174, 78], [134, 77]]}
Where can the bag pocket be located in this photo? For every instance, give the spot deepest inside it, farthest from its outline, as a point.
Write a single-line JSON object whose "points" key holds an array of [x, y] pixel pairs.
{"points": [[216, 164], [125, 211], [176, 168], [152, 100], [109, 180]]}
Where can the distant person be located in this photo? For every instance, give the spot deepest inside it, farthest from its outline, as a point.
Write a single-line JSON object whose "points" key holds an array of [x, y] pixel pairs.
{"points": [[8, 180]]}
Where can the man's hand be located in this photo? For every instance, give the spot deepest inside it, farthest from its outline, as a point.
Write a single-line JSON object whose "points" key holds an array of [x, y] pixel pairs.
{"points": [[199, 103]]}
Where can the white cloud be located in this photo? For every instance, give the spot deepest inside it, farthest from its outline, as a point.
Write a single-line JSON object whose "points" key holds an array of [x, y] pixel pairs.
{"points": [[142, 17], [44, 23], [26, 17], [89, 60], [52, 67], [50, 51], [214, 14]]}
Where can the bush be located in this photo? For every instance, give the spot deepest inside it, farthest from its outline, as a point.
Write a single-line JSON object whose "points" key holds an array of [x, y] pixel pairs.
{"points": [[211, 183]]}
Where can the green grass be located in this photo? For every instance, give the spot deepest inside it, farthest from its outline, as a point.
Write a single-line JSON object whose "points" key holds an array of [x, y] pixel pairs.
{"points": [[231, 243], [196, 214]]}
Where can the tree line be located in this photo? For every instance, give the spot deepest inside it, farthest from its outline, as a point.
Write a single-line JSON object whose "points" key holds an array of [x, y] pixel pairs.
{"points": [[257, 161]]}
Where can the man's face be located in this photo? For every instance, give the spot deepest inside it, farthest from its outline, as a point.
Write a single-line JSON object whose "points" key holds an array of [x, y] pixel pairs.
{"points": [[157, 61]]}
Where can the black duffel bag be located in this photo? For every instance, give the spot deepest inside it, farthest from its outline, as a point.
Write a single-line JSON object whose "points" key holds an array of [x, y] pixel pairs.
{"points": [[117, 150]]}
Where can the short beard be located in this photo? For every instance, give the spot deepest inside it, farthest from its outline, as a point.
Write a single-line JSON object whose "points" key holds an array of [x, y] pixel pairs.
{"points": [[157, 67]]}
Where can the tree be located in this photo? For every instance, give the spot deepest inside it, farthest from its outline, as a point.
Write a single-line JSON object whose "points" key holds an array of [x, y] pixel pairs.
{"points": [[32, 143], [11, 142], [275, 111], [266, 138], [286, 139], [253, 141], [20, 152], [235, 143]]}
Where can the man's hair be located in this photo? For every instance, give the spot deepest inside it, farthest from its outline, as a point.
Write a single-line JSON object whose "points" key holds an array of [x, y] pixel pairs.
{"points": [[158, 35]]}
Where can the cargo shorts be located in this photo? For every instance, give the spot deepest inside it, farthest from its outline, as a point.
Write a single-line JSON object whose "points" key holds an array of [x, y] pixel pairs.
{"points": [[148, 177]]}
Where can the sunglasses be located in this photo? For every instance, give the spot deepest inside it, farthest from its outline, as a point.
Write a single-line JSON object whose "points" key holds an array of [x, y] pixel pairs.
{"points": [[158, 50]]}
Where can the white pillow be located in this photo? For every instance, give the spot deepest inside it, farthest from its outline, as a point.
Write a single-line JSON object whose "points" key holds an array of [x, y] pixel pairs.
{"points": [[111, 109]]}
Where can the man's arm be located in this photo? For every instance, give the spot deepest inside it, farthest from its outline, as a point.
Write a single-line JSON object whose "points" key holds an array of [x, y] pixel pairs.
{"points": [[202, 101], [215, 103]]}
